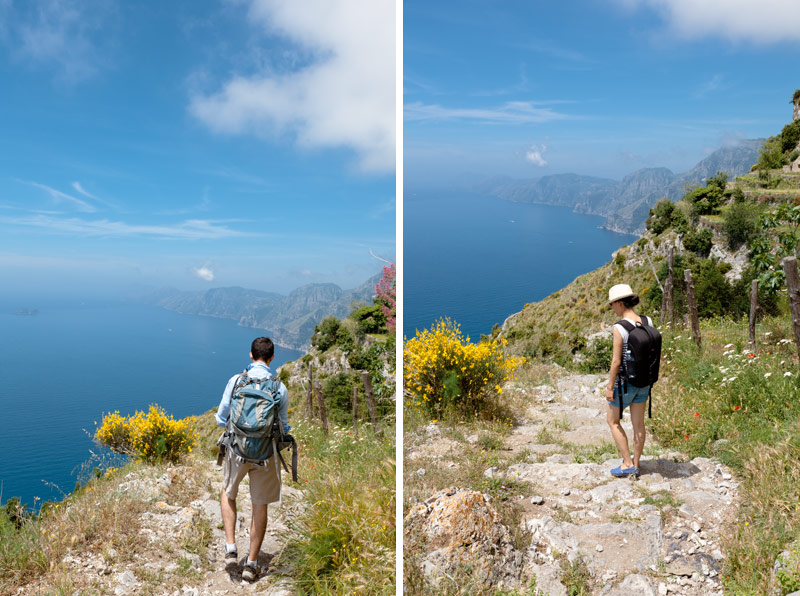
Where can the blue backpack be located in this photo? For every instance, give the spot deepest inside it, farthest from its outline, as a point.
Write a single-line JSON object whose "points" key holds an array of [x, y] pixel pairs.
{"points": [[254, 431]]}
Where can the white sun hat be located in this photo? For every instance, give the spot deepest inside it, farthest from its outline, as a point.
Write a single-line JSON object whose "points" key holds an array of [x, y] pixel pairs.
{"points": [[618, 292]]}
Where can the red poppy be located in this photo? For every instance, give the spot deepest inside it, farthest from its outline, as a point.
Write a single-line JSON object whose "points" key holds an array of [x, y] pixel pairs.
{"points": [[686, 437], [750, 355], [697, 414], [737, 408]]}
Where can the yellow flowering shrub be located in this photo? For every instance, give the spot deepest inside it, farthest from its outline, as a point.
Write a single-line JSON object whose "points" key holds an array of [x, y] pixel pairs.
{"points": [[443, 371], [152, 436]]}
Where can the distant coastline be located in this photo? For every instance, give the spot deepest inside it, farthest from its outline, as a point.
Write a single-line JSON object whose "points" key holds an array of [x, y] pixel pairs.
{"points": [[26, 312]]}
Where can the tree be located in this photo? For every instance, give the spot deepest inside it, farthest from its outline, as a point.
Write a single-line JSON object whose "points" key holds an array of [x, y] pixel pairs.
{"points": [[387, 293]]}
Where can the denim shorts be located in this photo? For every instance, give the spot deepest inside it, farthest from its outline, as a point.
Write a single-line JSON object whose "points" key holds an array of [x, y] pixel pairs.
{"points": [[634, 395]]}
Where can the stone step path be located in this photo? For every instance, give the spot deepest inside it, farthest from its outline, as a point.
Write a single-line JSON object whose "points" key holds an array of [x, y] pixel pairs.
{"points": [[655, 536]]}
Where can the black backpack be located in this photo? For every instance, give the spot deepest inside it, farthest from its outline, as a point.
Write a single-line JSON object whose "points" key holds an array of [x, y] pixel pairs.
{"points": [[641, 357]]}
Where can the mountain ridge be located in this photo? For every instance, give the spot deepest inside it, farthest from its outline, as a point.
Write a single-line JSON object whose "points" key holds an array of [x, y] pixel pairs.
{"points": [[290, 319], [625, 203]]}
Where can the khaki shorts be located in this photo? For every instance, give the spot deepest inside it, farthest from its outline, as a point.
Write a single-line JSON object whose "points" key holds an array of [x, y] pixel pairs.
{"points": [[265, 481]]}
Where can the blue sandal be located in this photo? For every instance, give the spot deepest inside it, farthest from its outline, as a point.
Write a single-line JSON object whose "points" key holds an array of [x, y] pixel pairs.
{"points": [[619, 472]]}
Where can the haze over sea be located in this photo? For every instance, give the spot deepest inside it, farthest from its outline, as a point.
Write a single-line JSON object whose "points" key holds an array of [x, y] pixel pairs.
{"points": [[62, 368], [478, 259]]}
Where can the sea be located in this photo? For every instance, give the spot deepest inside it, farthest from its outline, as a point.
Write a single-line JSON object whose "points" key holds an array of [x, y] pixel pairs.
{"points": [[63, 367], [478, 259]]}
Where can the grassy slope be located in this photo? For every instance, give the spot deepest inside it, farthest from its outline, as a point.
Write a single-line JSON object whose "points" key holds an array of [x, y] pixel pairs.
{"points": [[346, 539]]}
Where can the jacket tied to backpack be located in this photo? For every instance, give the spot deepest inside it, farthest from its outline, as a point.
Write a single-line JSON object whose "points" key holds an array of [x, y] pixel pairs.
{"points": [[253, 432], [641, 358]]}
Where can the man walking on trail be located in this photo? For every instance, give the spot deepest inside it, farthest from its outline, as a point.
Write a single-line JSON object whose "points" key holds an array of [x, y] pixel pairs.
{"points": [[265, 479]]}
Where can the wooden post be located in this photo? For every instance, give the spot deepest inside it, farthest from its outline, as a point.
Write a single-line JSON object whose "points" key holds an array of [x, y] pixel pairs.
{"points": [[373, 411], [310, 395], [355, 407], [667, 299], [695, 322], [753, 312], [323, 414], [793, 286]]}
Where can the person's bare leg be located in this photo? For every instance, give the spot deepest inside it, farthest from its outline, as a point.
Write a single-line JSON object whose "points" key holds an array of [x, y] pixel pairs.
{"points": [[228, 507], [258, 527], [620, 438], [639, 432]]}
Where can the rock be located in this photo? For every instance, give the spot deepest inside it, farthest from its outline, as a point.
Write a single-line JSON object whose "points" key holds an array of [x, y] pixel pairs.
{"points": [[637, 584], [686, 510], [126, 578], [467, 531], [472, 439], [548, 579], [491, 472], [537, 500], [420, 472], [566, 491], [599, 548]]}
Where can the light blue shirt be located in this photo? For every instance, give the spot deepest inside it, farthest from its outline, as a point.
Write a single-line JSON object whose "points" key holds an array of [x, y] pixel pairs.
{"points": [[257, 370]]}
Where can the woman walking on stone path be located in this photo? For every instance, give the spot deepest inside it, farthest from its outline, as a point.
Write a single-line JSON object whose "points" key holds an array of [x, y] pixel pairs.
{"points": [[622, 300]]}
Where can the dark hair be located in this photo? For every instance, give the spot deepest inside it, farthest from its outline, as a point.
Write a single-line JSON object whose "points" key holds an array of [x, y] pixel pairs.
{"points": [[262, 348], [630, 301]]}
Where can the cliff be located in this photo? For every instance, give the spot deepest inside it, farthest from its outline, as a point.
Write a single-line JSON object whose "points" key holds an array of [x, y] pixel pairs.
{"points": [[289, 319], [626, 203]]}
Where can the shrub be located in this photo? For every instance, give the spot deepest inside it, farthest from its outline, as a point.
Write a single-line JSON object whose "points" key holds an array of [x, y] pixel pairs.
{"points": [[790, 136], [661, 216], [338, 393], [370, 319], [705, 200], [446, 373], [153, 436], [771, 155], [740, 223], [331, 332], [698, 241]]}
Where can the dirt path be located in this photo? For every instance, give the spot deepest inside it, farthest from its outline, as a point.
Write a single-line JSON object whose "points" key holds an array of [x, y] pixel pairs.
{"points": [[658, 535]]}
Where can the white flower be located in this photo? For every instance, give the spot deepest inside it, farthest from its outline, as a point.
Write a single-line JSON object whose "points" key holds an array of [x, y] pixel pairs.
{"points": [[726, 346], [768, 333], [767, 375], [787, 374]]}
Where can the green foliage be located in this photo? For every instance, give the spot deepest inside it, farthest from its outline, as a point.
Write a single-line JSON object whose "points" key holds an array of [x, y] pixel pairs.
{"points": [[698, 241], [705, 200], [740, 223], [598, 359], [329, 333], [370, 319], [790, 137], [720, 180], [338, 394], [771, 155], [665, 215], [783, 224]]}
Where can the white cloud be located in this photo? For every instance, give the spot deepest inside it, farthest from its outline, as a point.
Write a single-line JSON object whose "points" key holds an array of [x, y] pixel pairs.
{"points": [[59, 196], [193, 229], [535, 155], [716, 83], [77, 186], [63, 33], [512, 112], [766, 21], [344, 98], [204, 272]]}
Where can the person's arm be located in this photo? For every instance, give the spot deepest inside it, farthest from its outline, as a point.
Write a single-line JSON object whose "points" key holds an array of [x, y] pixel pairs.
{"points": [[283, 410], [224, 409], [616, 360]]}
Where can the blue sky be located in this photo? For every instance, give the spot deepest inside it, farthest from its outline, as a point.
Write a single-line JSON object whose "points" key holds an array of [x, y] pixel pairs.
{"points": [[195, 144], [604, 88]]}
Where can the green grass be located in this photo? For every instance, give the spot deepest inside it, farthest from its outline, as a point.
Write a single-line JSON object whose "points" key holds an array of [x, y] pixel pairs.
{"points": [[345, 541], [725, 391]]}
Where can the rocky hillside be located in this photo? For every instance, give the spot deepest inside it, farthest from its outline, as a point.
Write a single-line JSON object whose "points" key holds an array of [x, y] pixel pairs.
{"points": [[289, 319], [626, 203]]}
